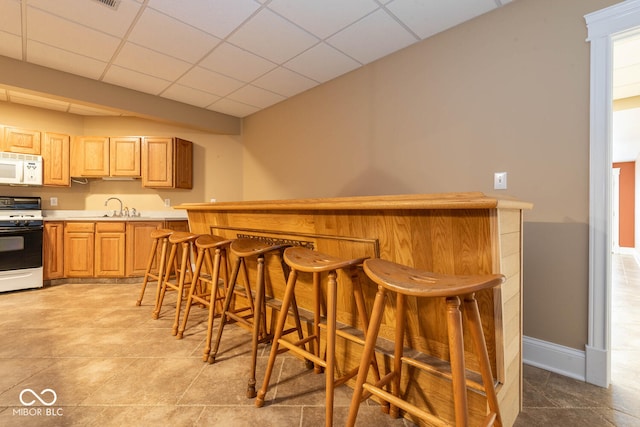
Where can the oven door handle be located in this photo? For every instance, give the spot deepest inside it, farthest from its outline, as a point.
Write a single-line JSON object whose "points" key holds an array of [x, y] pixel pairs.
{"points": [[14, 230]]}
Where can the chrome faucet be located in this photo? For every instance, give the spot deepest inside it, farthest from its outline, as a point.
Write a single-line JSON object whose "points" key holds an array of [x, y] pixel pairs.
{"points": [[115, 198]]}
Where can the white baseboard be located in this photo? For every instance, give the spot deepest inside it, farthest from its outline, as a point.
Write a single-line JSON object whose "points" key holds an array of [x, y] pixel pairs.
{"points": [[554, 357]]}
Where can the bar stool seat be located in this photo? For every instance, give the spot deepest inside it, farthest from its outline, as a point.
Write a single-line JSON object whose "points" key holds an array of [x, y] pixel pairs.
{"points": [[253, 315], [406, 281], [212, 255], [160, 237], [309, 261], [179, 276]]}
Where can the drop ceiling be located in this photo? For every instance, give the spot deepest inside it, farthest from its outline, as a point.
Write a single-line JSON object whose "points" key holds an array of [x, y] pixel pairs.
{"points": [[230, 56]]}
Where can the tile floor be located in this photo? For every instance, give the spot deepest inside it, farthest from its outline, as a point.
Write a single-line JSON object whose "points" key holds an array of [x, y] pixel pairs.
{"points": [[110, 364]]}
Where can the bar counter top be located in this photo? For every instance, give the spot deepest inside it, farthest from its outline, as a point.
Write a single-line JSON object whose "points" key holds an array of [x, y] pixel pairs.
{"points": [[467, 200]]}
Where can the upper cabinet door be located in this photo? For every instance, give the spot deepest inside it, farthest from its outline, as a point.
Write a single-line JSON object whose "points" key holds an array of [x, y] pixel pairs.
{"points": [[124, 156], [23, 141], [90, 156], [157, 162], [167, 163], [55, 159], [183, 174]]}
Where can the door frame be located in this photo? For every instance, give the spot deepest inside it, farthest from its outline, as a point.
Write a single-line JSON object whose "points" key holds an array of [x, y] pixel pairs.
{"points": [[603, 27]]}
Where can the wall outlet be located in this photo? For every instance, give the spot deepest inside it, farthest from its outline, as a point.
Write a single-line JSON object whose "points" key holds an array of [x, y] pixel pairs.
{"points": [[167, 203], [53, 201]]}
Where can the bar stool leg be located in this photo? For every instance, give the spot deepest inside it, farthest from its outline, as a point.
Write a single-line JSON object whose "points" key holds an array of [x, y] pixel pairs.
{"points": [[187, 309], [183, 274], [282, 317], [225, 308], [475, 327], [219, 258], [332, 306], [367, 354], [257, 327], [167, 275], [317, 291], [456, 346], [398, 351], [162, 264], [152, 255]]}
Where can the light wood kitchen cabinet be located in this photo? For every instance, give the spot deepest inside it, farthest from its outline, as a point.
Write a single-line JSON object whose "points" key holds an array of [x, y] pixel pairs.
{"points": [[109, 249], [101, 156], [177, 224], [124, 156], [16, 140], [79, 243], [167, 163], [53, 250], [55, 159], [90, 156], [138, 246]]}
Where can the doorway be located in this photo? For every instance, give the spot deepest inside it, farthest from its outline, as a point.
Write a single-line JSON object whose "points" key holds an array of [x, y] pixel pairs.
{"points": [[604, 27]]}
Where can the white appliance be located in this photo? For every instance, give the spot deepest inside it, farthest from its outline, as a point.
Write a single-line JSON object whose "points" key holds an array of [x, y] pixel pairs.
{"points": [[20, 169], [21, 232]]}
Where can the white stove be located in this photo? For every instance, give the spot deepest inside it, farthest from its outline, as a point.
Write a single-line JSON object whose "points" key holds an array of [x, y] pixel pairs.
{"points": [[21, 232]]}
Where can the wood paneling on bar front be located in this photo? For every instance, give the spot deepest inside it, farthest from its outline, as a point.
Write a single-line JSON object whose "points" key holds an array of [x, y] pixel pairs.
{"points": [[453, 233]]}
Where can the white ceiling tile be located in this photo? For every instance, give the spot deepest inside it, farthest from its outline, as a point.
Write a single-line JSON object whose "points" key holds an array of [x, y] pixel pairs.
{"points": [[284, 82], [10, 45], [217, 17], [150, 62], [92, 14], [134, 80], [210, 81], [233, 108], [322, 63], [11, 17], [189, 95], [161, 33], [62, 60], [272, 37], [371, 38], [429, 17], [232, 61], [256, 96], [323, 18], [272, 49], [70, 36]]}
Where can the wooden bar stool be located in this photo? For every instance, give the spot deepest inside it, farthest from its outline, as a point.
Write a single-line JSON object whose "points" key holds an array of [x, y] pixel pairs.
{"points": [[160, 237], [406, 281], [306, 260], [212, 252], [254, 314], [178, 276]]}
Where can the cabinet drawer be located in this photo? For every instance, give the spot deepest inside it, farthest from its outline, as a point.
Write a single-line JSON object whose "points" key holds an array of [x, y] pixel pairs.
{"points": [[79, 227], [110, 227]]}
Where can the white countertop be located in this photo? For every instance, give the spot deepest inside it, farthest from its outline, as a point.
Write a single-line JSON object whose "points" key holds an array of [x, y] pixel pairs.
{"points": [[103, 215]]}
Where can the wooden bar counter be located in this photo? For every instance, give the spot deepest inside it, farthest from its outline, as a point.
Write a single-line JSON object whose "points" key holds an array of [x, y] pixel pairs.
{"points": [[454, 233]]}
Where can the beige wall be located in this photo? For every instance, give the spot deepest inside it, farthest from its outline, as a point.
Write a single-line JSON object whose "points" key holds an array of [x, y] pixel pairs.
{"points": [[508, 91], [217, 162]]}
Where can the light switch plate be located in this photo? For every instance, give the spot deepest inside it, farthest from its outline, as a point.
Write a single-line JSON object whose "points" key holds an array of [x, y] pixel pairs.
{"points": [[500, 181]]}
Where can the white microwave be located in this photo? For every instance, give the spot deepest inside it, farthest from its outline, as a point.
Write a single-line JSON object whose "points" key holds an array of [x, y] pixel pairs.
{"points": [[20, 169]]}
